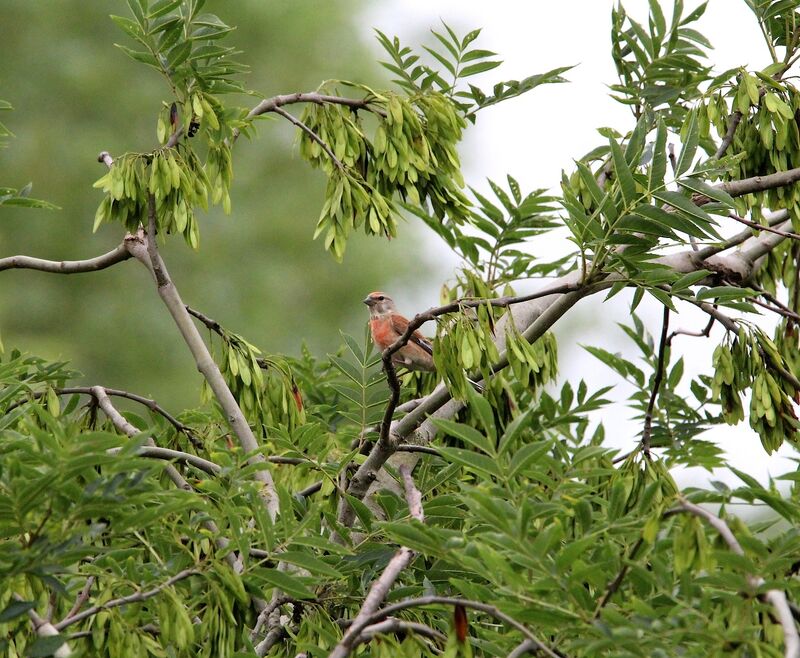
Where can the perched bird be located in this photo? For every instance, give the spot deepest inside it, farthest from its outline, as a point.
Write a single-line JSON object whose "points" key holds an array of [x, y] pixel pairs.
{"points": [[387, 325]]}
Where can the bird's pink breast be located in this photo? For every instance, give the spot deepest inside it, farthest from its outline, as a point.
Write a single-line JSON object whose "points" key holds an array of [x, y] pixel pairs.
{"points": [[382, 332]]}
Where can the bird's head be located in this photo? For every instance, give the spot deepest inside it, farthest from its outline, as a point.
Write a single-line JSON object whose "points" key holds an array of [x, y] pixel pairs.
{"points": [[379, 303]]}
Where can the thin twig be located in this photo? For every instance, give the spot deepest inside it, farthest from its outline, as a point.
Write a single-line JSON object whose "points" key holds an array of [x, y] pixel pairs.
{"points": [[149, 403], [770, 297], [524, 647], [136, 597], [83, 596], [212, 324], [394, 397], [328, 150], [614, 585], [648, 417], [777, 218], [761, 227], [411, 447], [703, 333], [454, 307], [310, 490], [785, 312], [733, 123], [104, 402], [176, 455], [490, 610]]}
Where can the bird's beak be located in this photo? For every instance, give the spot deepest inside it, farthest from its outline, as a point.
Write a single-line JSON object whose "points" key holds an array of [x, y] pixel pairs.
{"points": [[368, 301]]}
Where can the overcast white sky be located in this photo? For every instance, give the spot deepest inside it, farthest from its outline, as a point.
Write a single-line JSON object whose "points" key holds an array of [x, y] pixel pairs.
{"points": [[536, 136]]}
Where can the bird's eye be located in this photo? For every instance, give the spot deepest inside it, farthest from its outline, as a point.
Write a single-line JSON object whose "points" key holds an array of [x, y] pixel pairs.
{"points": [[381, 298]]}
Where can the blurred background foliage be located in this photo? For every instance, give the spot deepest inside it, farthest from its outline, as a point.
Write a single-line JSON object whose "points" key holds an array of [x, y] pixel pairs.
{"points": [[257, 272]]}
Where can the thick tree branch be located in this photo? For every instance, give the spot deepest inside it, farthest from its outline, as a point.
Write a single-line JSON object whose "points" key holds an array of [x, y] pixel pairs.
{"points": [[144, 249], [761, 183], [113, 257], [44, 628]]}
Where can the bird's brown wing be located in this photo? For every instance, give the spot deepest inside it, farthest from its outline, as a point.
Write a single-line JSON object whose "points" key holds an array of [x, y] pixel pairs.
{"points": [[400, 324]]}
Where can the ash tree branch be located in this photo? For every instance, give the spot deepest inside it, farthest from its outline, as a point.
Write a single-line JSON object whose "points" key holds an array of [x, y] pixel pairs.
{"points": [[394, 397], [136, 597], [648, 417], [183, 457], [323, 145], [778, 310], [266, 612], [705, 332], [399, 626], [392, 437], [147, 402], [274, 104], [523, 648], [380, 588], [761, 183], [44, 628], [271, 104], [82, 597], [615, 584], [144, 248], [116, 255], [775, 597], [104, 402], [212, 324], [760, 227], [485, 608], [727, 140]]}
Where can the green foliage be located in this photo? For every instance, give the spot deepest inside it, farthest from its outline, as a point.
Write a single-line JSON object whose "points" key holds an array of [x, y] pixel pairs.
{"points": [[660, 66], [526, 507], [181, 44], [412, 154]]}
